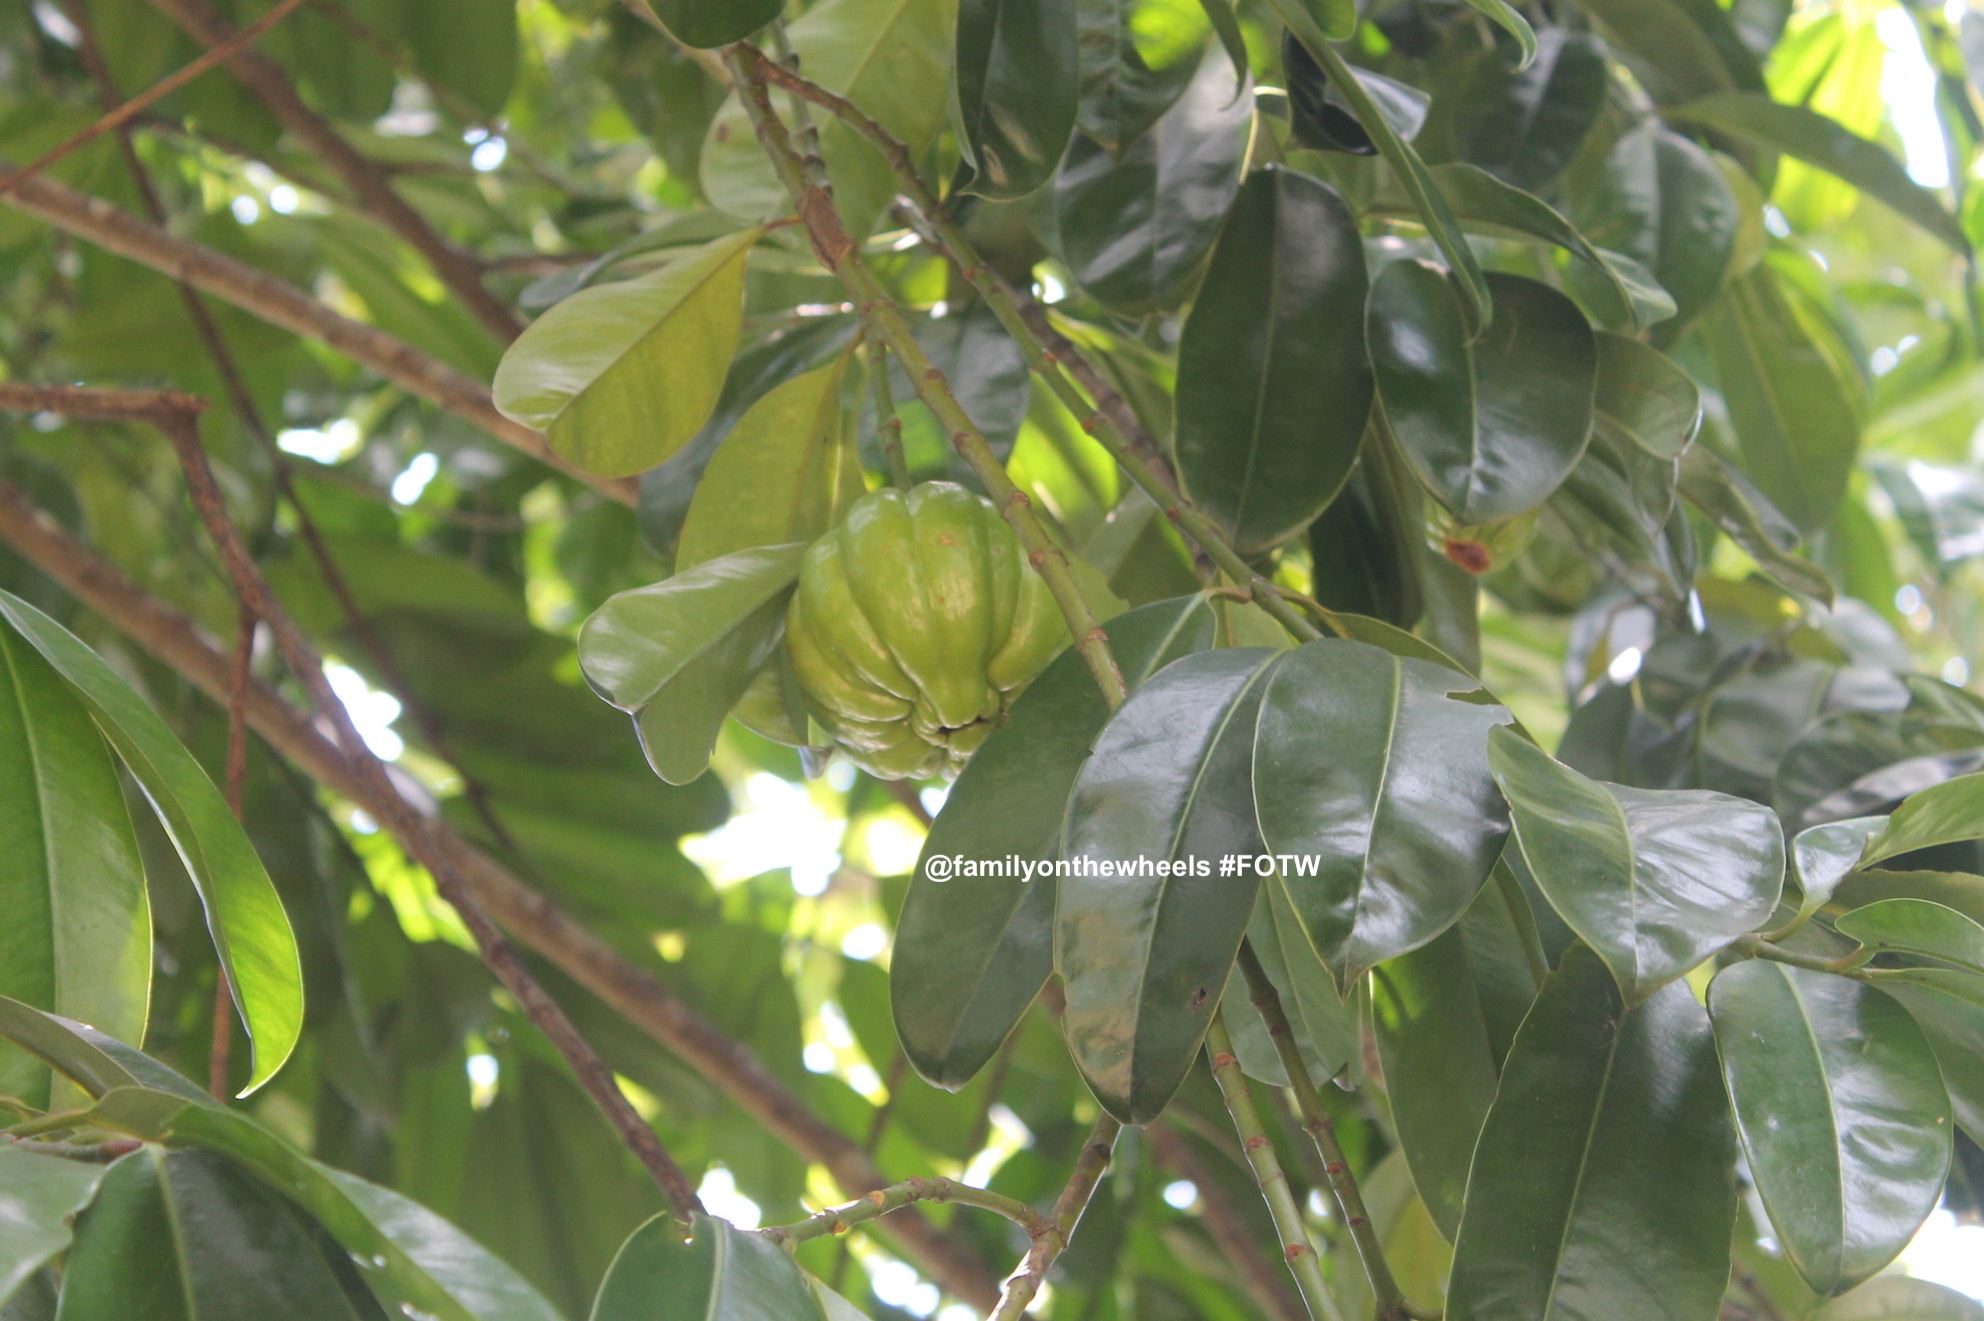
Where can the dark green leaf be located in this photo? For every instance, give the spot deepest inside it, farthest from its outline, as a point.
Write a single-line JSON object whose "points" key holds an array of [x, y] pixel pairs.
{"points": [[1377, 781], [1273, 384], [620, 376], [94, 1062], [77, 939], [1491, 427], [1603, 1185], [1133, 232], [678, 654], [1121, 94], [1523, 123], [1018, 78], [710, 23], [1797, 420], [1663, 201], [39, 1195], [1816, 139], [722, 1274], [1918, 927], [469, 49], [1146, 956], [250, 930], [987, 375], [1842, 1113], [1320, 116], [1655, 880], [1364, 548], [1734, 504], [1643, 399], [1226, 22], [1955, 1027], [971, 953]]}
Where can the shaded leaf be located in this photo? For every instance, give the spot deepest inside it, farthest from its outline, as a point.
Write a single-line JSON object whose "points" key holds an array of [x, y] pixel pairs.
{"points": [[1523, 122], [1662, 201], [1842, 1113], [1654, 880], [1643, 399], [1603, 1184], [1662, 36], [469, 48], [721, 1273], [1121, 94], [710, 23], [1018, 79], [94, 1062], [39, 1196], [1144, 955], [1273, 384], [620, 376], [1364, 762], [1734, 504], [1321, 117], [971, 953], [1491, 427], [1363, 548], [250, 930]]}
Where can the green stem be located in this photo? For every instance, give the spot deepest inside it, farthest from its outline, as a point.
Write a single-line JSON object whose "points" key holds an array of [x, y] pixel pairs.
{"points": [[1316, 1122], [888, 427], [1060, 1224], [840, 1219], [841, 255], [1149, 476], [1848, 965], [1296, 1248]]}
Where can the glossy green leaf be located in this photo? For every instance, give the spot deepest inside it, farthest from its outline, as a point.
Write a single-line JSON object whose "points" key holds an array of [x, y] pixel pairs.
{"points": [[619, 376], [93, 1061], [971, 952], [721, 1274], [1654, 880], [1145, 955], [77, 940], [1955, 1028], [1482, 202], [892, 58], [250, 930], [1734, 504], [1824, 855], [1940, 814], [1320, 116], [1672, 44], [1816, 139], [783, 475], [1663, 201], [679, 653], [1603, 1184], [1919, 927], [1643, 399], [1273, 383], [1902, 1298], [1134, 231], [1444, 1017], [1325, 1021], [1364, 548], [1122, 96], [711, 23], [1523, 122], [39, 1196], [1364, 764], [187, 1236], [1797, 420], [1491, 427], [1477, 308], [1842, 1113], [1018, 79]]}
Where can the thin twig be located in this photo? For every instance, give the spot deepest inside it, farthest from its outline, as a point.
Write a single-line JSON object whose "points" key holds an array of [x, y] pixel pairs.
{"points": [[176, 642], [835, 1220], [123, 114], [1049, 1240], [1296, 1248]]}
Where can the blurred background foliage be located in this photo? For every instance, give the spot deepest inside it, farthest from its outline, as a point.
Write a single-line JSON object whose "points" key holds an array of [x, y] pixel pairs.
{"points": [[560, 141]]}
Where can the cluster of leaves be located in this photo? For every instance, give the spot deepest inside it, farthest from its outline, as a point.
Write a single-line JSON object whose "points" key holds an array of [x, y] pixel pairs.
{"points": [[1535, 354]]}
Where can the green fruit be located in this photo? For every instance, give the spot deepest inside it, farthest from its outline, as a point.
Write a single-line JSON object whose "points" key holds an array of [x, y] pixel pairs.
{"points": [[916, 623]]}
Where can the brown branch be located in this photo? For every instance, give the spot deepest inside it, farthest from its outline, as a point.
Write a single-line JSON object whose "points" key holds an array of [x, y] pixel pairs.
{"points": [[368, 186], [118, 116], [1051, 1237], [178, 643], [283, 304], [1262, 1277]]}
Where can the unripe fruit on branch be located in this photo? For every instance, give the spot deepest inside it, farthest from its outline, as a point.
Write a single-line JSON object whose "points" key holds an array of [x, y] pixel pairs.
{"points": [[916, 623]]}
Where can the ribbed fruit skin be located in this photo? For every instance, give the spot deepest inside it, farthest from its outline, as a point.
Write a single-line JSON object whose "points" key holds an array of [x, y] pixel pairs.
{"points": [[916, 623]]}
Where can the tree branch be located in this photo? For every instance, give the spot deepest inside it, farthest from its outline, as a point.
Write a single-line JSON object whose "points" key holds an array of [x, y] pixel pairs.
{"points": [[1052, 1235], [270, 83], [284, 305], [840, 1219], [533, 917]]}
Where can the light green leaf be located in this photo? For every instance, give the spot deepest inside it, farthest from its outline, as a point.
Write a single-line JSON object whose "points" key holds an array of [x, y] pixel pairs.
{"points": [[619, 376], [1603, 1184], [784, 474], [39, 1196], [1842, 1113], [1919, 927], [1901, 1298], [1824, 855], [250, 930], [1654, 880], [1643, 399], [722, 1274], [94, 1062], [1941, 814], [1511, 22], [1817, 139], [677, 655], [1363, 762], [1734, 504], [77, 936]]}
